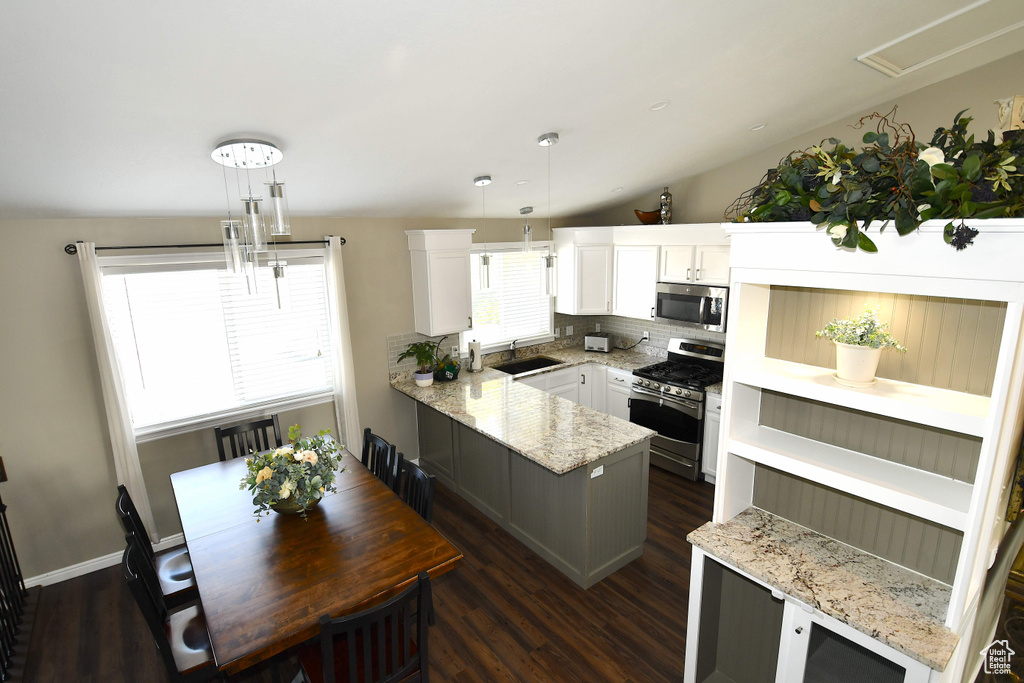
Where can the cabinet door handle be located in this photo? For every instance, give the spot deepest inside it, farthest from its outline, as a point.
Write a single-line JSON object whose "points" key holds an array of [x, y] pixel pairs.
{"points": [[698, 273], [618, 379], [652, 312], [583, 379], [687, 273], [799, 629], [470, 322]]}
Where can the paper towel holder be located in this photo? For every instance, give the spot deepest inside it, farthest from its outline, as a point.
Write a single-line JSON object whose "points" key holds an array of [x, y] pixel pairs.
{"points": [[475, 361]]}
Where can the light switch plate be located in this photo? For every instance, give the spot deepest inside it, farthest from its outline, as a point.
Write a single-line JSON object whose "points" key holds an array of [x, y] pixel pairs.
{"points": [[557, 332], [568, 330], [597, 327]]}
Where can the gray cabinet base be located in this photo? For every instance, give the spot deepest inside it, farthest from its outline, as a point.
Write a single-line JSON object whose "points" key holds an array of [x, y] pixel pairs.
{"points": [[587, 523]]}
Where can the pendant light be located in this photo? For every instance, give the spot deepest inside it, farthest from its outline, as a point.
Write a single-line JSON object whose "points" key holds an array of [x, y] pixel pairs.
{"points": [[549, 140], [485, 259], [527, 233]]}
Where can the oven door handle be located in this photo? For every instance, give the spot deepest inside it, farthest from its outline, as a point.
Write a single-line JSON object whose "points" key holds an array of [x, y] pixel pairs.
{"points": [[690, 408]]}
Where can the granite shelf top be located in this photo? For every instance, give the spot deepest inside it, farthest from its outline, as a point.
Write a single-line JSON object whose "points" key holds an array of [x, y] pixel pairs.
{"points": [[898, 607], [554, 432]]}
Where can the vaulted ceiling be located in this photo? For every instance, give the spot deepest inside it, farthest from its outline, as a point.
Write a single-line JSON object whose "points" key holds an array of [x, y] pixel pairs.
{"points": [[112, 108]]}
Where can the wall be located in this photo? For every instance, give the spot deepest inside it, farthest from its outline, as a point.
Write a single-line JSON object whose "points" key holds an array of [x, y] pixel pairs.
{"points": [[57, 452], [705, 197]]}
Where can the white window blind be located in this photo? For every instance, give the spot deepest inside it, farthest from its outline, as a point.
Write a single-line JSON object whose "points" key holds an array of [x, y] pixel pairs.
{"points": [[516, 304], [193, 342]]}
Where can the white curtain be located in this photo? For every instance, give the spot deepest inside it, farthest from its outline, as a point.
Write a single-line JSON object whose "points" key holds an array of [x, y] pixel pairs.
{"points": [[119, 421], [345, 411]]}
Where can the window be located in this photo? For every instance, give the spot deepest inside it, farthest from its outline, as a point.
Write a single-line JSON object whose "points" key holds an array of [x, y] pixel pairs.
{"points": [[196, 346], [516, 304]]}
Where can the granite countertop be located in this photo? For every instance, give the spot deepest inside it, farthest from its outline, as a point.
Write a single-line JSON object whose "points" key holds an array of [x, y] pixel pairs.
{"points": [[554, 432], [889, 603]]}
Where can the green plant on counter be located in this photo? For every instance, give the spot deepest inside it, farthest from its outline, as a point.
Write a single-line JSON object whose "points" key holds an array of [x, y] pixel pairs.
{"points": [[424, 352], [893, 180], [864, 330]]}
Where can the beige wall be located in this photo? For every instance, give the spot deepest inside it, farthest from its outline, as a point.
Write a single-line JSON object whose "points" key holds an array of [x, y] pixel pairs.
{"points": [[704, 198], [56, 449]]}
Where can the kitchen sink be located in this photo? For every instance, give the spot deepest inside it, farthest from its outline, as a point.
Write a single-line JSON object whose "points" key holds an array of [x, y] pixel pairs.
{"points": [[526, 365]]}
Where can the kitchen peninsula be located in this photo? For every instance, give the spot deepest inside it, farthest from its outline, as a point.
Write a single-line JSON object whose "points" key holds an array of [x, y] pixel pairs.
{"points": [[568, 481]]}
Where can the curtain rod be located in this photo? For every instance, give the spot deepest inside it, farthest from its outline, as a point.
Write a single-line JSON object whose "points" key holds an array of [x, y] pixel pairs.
{"points": [[72, 249]]}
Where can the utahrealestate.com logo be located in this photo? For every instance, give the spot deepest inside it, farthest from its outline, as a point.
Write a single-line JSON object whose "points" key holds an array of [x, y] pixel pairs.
{"points": [[997, 657]]}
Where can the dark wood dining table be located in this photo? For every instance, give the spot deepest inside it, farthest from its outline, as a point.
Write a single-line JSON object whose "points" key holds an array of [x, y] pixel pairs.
{"points": [[264, 584]]}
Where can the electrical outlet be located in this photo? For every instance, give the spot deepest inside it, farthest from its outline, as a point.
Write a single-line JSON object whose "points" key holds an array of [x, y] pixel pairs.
{"points": [[597, 327], [647, 336], [455, 351], [557, 332], [568, 330]]}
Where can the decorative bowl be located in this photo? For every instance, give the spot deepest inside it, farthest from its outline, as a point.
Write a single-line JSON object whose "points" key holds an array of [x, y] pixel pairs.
{"points": [[290, 507], [648, 217]]}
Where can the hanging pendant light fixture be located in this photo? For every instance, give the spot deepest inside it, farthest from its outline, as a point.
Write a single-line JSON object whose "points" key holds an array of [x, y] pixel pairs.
{"points": [[549, 140], [527, 233], [245, 237], [485, 259]]}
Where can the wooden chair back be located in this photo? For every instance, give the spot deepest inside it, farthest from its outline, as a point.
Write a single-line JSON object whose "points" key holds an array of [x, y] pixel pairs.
{"points": [[381, 458], [416, 488], [244, 439], [376, 645], [131, 521]]}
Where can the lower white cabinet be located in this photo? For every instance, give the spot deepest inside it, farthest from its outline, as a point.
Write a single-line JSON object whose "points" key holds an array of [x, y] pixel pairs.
{"points": [[617, 393], [712, 425], [592, 380]]}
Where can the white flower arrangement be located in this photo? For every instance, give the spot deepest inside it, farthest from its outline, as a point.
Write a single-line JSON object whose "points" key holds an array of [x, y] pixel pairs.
{"points": [[864, 330]]}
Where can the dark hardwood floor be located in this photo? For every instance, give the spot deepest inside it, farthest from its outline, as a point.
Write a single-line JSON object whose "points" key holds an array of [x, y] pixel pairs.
{"points": [[502, 615]]}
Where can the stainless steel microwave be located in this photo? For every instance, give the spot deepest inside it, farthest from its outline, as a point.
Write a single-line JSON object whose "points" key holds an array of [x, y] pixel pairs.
{"points": [[694, 306]]}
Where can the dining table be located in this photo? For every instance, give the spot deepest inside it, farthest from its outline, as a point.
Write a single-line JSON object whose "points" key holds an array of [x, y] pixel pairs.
{"points": [[264, 581]]}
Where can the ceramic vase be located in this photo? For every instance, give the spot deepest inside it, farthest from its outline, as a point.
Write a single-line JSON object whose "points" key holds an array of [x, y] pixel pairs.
{"points": [[856, 364], [289, 506], [423, 379]]}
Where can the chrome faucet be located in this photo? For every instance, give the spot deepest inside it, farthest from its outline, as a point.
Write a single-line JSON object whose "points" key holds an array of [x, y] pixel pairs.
{"points": [[512, 349]]}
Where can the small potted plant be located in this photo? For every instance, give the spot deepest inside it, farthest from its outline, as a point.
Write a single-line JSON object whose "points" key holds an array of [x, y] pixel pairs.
{"points": [[859, 342], [425, 353]]}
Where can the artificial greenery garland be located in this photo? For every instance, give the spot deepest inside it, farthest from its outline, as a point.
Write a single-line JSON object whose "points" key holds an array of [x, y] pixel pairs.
{"points": [[895, 179]]}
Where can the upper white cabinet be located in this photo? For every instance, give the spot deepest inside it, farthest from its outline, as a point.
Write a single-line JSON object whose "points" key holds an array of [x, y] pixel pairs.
{"points": [[441, 287], [703, 263], [584, 271], [636, 279]]}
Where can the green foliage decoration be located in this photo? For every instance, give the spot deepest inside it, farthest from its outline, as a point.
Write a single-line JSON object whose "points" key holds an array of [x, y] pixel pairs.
{"points": [[893, 180], [863, 330], [303, 471]]}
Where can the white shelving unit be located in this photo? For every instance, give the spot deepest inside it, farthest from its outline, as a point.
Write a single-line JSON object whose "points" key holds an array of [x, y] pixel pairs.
{"points": [[798, 255]]}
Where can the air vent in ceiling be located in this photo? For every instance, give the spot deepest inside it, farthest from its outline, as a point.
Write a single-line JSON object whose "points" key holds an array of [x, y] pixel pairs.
{"points": [[973, 25]]}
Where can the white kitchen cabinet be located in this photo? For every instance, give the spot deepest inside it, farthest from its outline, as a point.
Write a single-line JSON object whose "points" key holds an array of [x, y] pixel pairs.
{"points": [[617, 393], [712, 423], [537, 382], [584, 271], [636, 279], [565, 383], [712, 264], [676, 263], [441, 286], [702, 263], [592, 381]]}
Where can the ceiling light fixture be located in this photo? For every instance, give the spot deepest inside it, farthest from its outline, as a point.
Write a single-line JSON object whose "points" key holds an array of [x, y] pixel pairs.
{"points": [[549, 140], [527, 234], [658, 106], [757, 127], [245, 237], [485, 259]]}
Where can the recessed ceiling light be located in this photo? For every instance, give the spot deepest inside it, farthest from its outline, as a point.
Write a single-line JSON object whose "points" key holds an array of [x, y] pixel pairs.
{"points": [[758, 126], [482, 180], [658, 106], [617, 189], [522, 182]]}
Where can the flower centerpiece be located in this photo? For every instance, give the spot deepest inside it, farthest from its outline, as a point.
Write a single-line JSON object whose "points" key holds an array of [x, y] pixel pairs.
{"points": [[294, 478], [859, 342], [894, 179]]}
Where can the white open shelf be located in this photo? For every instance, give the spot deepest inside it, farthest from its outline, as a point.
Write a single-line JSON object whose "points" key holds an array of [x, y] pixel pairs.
{"points": [[941, 408], [915, 492]]}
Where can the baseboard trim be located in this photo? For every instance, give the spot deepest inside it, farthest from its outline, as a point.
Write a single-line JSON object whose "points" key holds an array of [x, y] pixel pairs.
{"points": [[95, 564]]}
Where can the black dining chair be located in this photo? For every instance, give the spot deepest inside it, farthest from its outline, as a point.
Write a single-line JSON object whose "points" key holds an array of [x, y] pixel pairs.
{"points": [[249, 437], [416, 488], [181, 636], [172, 567], [375, 645], [381, 458]]}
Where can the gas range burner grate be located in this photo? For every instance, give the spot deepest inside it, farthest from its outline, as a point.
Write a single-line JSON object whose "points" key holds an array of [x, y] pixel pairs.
{"points": [[683, 374]]}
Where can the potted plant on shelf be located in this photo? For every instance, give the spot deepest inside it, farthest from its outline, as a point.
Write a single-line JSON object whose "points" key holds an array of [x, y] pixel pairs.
{"points": [[859, 342], [425, 353]]}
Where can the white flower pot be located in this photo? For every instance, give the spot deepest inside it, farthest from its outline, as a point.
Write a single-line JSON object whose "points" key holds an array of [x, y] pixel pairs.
{"points": [[424, 379], [856, 364]]}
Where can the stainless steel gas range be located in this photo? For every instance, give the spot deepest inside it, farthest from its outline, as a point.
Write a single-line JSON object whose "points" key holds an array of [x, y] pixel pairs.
{"points": [[668, 397]]}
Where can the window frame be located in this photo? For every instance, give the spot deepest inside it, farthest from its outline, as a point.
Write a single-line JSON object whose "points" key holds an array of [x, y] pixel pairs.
{"points": [[195, 260], [498, 247]]}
